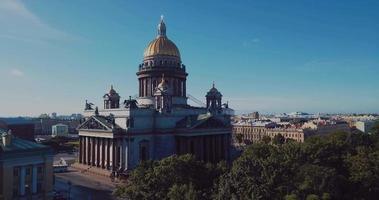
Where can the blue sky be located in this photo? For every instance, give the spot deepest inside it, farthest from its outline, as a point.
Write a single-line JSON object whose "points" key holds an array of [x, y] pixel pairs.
{"points": [[270, 56]]}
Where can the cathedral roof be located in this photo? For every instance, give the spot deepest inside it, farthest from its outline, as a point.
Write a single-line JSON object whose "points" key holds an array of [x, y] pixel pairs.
{"points": [[161, 45], [200, 121], [213, 91], [112, 93]]}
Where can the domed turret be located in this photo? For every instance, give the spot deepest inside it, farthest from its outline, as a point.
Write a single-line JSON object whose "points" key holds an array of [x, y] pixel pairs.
{"points": [[111, 99], [161, 45], [214, 98], [162, 56]]}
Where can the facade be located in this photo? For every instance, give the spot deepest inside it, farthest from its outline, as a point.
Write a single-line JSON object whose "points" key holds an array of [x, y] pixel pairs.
{"points": [[255, 131], [324, 127], [364, 126], [25, 169], [21, 127], [159, 123], [59, 130], [254, 134], [43, 126]]}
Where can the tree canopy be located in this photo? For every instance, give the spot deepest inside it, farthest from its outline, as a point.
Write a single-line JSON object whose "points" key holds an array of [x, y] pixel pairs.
{"points": [[338, 166]]}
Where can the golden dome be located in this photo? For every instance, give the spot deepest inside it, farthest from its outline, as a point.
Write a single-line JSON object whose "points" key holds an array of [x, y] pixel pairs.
{"points": [[161, 45]]}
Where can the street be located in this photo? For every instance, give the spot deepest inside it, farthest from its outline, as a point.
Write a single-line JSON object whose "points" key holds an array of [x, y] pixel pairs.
{"points": [[83, 186]]}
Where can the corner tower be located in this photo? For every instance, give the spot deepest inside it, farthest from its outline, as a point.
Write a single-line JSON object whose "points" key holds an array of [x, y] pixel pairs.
{"points": [[162, 56]]}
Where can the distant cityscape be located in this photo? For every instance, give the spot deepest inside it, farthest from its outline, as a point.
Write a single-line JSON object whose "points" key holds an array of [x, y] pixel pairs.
{"points": [[156, 145]]}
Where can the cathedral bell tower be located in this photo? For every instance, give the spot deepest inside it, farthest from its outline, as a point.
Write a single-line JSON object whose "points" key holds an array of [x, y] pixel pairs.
{"points": [[111, 99], [162, 56], [214, 98]]}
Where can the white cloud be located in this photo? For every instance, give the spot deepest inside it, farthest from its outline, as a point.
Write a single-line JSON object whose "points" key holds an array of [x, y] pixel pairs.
{"points": [[251, 42], [16, 73], [17, 22]]}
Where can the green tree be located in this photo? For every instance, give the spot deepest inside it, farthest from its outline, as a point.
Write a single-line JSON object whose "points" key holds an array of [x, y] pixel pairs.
{"points": [[261, 172], [184, 192], [169, 178], [266, 139], [364, 172], [278, 139]]}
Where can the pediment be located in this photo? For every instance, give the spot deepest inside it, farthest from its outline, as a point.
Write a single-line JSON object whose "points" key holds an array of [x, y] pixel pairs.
{"points": [[200, 122], [211, 123], [93, 123]]}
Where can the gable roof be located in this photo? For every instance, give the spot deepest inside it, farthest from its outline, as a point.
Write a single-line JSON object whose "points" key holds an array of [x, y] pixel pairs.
{"points": [[18, 144], [200, 121], [107, 123]]}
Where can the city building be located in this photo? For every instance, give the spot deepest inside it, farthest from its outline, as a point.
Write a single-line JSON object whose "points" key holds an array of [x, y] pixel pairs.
{"points": [[252, 134], [324, 127], [364, 126], [43, 126], [21, 127], [296, 128], [59, 130], [25, 168], [159, 123]]}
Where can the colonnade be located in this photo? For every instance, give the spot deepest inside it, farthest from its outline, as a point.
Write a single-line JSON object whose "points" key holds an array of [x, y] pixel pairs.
{"points": [[209, 148], [106, 153]]}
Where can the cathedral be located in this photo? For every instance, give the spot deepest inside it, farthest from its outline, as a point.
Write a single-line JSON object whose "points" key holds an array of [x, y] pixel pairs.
{"points": [[159, 123]]}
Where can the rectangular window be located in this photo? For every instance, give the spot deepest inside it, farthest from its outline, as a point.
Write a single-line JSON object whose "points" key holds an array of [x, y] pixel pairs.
{"points": [[39, 170], [39, 187], [16, 171], [15, 192]]}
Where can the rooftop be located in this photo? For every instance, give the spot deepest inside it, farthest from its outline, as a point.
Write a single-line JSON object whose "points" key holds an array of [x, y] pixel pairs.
{"points": [[18, 144]]}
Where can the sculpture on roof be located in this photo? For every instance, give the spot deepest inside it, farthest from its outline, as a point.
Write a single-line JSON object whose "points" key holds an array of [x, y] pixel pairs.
{"points": [[130, 103], [88, 106]]}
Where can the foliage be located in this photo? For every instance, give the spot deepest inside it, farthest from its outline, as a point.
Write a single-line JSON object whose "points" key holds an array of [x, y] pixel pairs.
{"points": [[62, 144], [337, 166], [278, 139], [329, 167], [170, 178], [239, 138], [266, 139]]}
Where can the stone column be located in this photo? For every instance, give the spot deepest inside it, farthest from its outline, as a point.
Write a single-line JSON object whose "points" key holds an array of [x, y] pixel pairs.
{"points": [[22, 180], [106, 153], [118, 152], [87, 150], [101, 145], [80, 150], [34, 179], [126, 149], [83, 147], [122, 153], [90, 142], [115, 156], [93, 150], [96, 140], [111, 153]]}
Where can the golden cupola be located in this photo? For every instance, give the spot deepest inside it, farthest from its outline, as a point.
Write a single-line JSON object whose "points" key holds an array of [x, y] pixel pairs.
{"points": [[162, 56], [161, 45]]}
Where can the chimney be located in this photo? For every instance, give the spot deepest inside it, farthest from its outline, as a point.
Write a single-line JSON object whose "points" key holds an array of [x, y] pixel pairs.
{"points": [[7, 138]]}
